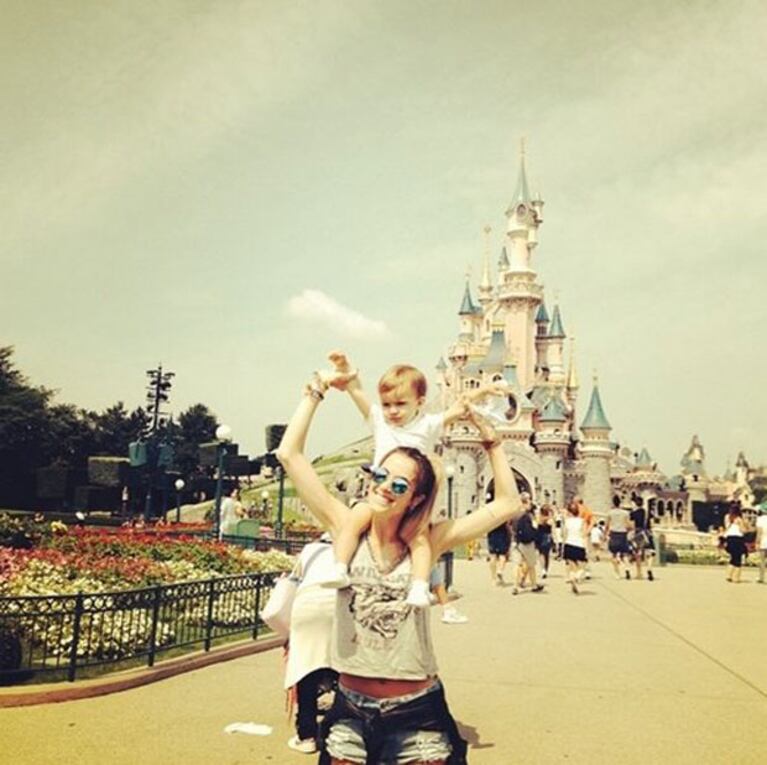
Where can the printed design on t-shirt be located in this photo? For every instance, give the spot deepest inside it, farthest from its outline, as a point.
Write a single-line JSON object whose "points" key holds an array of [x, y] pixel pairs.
{"points": [[379, 607]]}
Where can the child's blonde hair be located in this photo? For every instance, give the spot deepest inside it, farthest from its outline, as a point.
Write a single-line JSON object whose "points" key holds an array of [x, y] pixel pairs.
{"points": [[403, 376]]}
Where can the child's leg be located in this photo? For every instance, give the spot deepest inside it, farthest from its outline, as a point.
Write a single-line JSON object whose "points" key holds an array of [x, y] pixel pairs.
{"points": [[354, 525], [420, 561]]}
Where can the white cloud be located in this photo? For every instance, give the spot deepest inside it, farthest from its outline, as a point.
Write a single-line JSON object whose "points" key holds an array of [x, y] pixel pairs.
{"points": [[316, 306]]}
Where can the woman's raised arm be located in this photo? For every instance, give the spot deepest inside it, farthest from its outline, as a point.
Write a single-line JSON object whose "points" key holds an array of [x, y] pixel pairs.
{"points": [[328, 510], [506, 505]]}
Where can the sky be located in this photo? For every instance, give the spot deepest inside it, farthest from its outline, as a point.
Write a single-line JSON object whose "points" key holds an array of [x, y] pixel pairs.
{"points": [[233, 189]]}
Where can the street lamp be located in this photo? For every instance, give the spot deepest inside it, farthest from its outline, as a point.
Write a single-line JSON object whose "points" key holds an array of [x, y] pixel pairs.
{"points": [[450, 473], [223, 437], [179, 488]]}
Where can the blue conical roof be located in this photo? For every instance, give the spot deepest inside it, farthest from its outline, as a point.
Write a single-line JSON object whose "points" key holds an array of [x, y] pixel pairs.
{"points": [[556, 329], [496, 353], [595, 417], [522, 192], [543, 315], [441, 365], [467, 306], [554, 411], [644, 460], [503, 260]]}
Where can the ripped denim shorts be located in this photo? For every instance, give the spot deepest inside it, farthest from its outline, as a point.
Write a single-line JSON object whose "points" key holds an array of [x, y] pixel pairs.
{"points": [[345, 742]]}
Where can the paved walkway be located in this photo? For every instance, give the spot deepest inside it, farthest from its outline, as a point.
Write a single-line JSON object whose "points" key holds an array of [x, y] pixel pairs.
{"points": [[673, 671]]}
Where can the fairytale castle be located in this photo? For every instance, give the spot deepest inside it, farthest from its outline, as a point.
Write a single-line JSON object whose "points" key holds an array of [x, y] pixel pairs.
{"points": [[508, 333]]}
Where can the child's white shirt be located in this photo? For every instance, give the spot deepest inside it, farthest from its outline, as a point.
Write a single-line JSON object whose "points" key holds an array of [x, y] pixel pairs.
{"points": [[422, 433]]}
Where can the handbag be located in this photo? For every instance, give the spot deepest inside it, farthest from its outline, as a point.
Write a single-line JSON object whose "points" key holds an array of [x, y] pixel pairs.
{"points": [[279, 607], [277, 611]]}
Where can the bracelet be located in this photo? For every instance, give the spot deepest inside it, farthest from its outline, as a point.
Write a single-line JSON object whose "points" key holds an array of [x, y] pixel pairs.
{"points": [[314, 391], [491, 443]]}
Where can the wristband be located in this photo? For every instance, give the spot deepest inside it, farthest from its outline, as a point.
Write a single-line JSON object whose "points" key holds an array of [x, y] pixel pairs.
{"points": [[491, 443], [315, 393]]}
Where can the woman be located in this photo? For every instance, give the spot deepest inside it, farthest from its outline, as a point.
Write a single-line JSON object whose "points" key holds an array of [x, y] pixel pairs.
{"points": [[734, 529], [574, 534], [498, 546], [308, 661], [545, 539], [390, 706]]}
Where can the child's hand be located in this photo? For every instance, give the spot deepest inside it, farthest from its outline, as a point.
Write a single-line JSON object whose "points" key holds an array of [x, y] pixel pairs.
{"points": [[340, 362], [343, 373]]}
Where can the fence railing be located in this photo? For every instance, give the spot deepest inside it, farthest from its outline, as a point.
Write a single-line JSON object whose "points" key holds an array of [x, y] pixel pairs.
{"points": [[61, 635]]}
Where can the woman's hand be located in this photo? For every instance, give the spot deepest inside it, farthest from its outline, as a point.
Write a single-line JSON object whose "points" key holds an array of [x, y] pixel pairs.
{"points": [[487, 432]]}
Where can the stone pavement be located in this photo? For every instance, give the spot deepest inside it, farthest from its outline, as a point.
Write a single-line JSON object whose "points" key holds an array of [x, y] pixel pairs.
{"points": [[673, 671]]}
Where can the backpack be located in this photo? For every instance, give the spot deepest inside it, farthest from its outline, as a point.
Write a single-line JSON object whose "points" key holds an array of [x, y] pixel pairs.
{"points": [[525, 530]]}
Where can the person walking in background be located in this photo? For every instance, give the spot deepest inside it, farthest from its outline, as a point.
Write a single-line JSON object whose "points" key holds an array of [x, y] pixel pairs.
{"points": [[761, 541], [734, 531], [231, 513], [525, 533], [575, 535], [618, 527], [498, 546], [450, 614], [597, 539], [307, 670], [544, 540], [588, 520], [642, 543]]}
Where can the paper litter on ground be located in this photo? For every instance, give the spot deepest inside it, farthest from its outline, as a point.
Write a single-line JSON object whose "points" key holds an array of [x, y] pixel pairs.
{"points": [[254, 729]]}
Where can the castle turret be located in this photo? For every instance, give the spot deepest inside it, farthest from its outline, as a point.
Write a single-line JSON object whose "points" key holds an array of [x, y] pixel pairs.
{"points": [[541, 334], [518, 292], [468, 316], [597, 452], [556, 348], [552, 442]]}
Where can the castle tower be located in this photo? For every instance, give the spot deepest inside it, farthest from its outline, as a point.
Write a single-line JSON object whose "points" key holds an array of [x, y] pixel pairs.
{"points": [[597, 453], [519, 294], [552, 442], [556, 348], [468, 316], [541, 334]]}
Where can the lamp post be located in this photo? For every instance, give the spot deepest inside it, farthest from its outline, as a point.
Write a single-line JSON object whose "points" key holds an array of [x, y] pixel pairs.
{"points": [[179, 488], [278, 526], [450, 473], [223, 436]]}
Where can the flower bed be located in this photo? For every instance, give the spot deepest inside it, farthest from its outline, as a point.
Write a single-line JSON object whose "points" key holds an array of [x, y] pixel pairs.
{"points": [[91, 560], [196, 591]]}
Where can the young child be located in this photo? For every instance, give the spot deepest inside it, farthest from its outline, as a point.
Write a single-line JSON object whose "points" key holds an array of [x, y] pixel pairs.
{"points": [[397, 421]]}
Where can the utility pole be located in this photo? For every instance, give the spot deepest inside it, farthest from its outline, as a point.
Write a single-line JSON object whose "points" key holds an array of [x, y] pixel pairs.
{"points": [[158, 393]]}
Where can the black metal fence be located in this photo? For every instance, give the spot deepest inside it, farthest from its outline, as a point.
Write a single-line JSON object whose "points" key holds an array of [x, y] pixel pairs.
{"points": [[60, 635]]}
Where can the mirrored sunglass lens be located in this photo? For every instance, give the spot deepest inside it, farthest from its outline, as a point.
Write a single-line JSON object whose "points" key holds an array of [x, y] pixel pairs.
{"points": [[399, 486], [379, 475]]}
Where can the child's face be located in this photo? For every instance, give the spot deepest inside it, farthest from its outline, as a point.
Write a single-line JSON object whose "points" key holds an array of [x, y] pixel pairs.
{"points": [[400, 406]]}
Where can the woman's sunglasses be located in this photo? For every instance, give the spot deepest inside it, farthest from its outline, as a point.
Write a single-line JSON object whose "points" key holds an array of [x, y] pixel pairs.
{"points": [[379, 475]]}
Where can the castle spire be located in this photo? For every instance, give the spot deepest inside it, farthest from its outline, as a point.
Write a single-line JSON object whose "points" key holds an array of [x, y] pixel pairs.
{"points": [[595, 416], [467, 305], [522, 193], [572, 375], [556, 329], [486, 284]]}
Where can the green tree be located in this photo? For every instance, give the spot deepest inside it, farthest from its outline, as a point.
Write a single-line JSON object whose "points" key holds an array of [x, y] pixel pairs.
{"points": [[197, 425], [25, 442]]}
